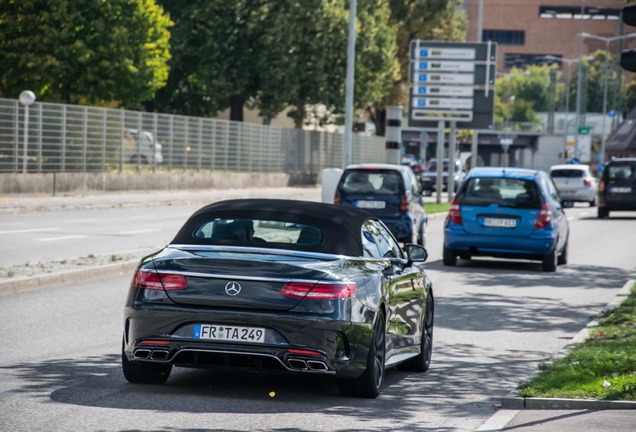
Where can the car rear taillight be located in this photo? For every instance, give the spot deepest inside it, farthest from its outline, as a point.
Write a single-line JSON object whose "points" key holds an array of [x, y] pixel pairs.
{"points": [[455, 213], [601, 185], [587, 182], [545, 217], [336, 198], [319, 291], [404, 203], [160, 281]]}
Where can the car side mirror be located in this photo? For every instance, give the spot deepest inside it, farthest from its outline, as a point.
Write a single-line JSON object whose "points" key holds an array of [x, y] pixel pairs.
{"points": [[415, 253]]}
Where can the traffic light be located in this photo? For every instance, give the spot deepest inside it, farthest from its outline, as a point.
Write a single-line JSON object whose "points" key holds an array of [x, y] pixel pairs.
{"points": [[628, 57]]}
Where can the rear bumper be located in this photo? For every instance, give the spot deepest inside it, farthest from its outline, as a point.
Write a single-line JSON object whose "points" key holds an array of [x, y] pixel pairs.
{"points": [[332, 346], [541, 243], [583, 195], [620, 203]]}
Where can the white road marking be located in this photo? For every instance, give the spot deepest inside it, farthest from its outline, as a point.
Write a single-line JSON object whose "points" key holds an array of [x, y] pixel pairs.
{"points": [[30, 230], [143, 231], [80, 220], [70, 237]]}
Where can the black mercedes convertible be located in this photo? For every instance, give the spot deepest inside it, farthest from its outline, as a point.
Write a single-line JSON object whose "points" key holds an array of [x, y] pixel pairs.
{"points": [[288, 285]]}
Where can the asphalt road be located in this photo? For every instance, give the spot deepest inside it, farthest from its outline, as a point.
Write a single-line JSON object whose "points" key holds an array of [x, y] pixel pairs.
{"points": [[496, 321]]}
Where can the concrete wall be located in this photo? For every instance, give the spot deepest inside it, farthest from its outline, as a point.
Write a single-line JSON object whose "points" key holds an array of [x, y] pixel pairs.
{"points": [[51, 183]]}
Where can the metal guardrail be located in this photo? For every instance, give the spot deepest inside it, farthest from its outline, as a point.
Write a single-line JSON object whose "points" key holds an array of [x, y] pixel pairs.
{"points": [[73, 138]]}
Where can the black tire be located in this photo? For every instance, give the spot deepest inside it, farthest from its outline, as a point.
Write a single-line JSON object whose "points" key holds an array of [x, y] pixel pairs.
{"points": [[144, 372], [369, 384], [549, 262], [449, 257], [563, 256], [142, 159], [602, 213], [593, 203], [422, 362]]}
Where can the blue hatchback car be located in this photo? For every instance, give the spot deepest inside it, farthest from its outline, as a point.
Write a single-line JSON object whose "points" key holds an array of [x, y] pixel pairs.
{"points": [[507, 213]]}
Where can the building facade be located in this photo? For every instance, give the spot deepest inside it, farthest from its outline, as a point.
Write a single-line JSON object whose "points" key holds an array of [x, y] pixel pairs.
{"points": [[528, 30]]}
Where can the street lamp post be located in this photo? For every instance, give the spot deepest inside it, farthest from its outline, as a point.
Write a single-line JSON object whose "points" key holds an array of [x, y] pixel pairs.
{"points": [[579, 83], [27, 97], [607, 41], [567, 90]]}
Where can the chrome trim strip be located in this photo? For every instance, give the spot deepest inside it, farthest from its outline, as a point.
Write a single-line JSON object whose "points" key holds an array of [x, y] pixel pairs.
{"points": [[257, 250]]}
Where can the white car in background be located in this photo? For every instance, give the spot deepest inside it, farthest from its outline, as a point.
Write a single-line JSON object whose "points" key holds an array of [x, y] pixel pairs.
{"points": [[144, 151], [575, 183]]}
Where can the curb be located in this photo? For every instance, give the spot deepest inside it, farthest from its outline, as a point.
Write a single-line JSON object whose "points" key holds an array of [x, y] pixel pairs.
{"points": [[516, 402], [29, 283]]}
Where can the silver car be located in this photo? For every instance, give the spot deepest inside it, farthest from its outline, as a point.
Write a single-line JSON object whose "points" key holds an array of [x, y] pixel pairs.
{"points": [[575, 183]]}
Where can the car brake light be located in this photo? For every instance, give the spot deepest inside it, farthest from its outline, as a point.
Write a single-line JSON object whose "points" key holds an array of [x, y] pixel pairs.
{"points": [[336, 198], [303, 352], [455, 213], [160, 281], [404, 203], [587, 182], [154, 342], [601, 185], [319, 291], [545, 217]]}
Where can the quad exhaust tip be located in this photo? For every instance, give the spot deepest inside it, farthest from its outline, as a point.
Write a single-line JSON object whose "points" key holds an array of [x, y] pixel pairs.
{"points": [[307, 365], [151, 354]]}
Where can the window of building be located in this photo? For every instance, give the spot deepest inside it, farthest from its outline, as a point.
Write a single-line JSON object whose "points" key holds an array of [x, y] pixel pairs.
{"points": [[505, 37], [521, 61]]}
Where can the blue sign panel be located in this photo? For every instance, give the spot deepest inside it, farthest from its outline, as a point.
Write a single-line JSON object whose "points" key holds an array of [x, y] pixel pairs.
{"points": [[575, 161]]}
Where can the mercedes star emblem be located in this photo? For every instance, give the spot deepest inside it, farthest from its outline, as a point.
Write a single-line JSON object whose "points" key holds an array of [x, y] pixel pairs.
{"points": [[232, 288]]}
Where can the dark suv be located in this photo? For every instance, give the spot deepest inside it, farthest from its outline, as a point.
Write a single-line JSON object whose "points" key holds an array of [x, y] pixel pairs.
{"points": [[391, 192], [617, 187]]}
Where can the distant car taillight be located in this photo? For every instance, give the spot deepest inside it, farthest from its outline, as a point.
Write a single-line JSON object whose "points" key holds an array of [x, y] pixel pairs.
{"points": [[587, 182], [159, 281], [545, 217], [336, 198], [319, 291], [455, 213], [404, 203], [601, 185]]}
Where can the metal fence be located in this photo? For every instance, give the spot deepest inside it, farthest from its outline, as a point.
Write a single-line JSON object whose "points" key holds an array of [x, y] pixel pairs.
{"points": [[73, 138]]}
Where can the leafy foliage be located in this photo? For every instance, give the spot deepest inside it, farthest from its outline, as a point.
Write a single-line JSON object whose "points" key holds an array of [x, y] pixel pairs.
{"points": [[602, 367], [72, 50]]}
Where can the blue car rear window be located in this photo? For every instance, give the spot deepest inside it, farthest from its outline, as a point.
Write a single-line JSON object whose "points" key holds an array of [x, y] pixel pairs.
{"points": [[509, 192]]}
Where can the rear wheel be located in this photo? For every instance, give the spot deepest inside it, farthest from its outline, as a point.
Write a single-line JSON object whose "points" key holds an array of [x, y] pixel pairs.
{"points": [[549, 262], [422, 362], [144, 372], [602, 212], [449, 257], [593, 202], [369, 384]]}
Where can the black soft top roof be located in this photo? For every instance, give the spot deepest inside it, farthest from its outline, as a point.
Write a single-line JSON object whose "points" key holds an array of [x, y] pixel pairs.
{"points": [[341, 225]]}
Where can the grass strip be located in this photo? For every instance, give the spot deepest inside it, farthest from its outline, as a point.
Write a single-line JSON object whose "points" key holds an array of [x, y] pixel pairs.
{"points": [[431, 208], [601, 367]]}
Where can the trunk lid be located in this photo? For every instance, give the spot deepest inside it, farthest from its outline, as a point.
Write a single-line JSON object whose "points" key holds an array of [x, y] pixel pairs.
{"points": [[239, 280]]}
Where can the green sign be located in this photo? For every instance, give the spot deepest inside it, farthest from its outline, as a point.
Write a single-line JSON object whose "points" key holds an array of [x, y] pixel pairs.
{"points": [[585, 129]]}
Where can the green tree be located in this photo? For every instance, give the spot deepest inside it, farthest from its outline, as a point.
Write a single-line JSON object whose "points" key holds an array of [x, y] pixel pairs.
{"points": [[438, 20], [99, 52], [271, 55]]}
